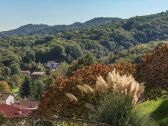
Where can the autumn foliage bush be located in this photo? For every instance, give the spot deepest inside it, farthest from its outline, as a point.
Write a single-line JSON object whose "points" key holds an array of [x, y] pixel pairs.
{"points": [[153, 70], [55, 101], [114, 84], [64, 96]]}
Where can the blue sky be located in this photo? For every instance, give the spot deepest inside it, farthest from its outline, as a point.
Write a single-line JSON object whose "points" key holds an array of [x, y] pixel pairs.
{"points": [[14, 13]]}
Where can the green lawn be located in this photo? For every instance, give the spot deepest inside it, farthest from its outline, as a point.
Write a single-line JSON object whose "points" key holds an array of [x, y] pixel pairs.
{"points": [[158, 109]]}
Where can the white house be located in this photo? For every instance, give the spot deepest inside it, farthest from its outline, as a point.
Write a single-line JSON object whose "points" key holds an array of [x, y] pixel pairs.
{"points": [[6, 99], [52, 64]]}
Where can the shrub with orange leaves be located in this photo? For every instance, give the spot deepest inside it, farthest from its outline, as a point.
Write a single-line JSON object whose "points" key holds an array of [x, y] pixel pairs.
{"points": [[55, 99], [89, 74]]}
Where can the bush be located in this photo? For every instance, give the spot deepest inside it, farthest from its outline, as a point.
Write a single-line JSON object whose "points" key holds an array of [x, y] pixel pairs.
{"points": [[118, 111], [2, 119], [153, 71], [54, 100]]}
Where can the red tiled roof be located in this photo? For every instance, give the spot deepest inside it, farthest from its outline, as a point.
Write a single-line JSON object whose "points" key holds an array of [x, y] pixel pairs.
{"points": [[27, 104], [11, 111]]}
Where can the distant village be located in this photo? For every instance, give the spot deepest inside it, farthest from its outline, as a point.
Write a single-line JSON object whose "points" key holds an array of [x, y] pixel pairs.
{"points": [[52, 65], [11, 107]]}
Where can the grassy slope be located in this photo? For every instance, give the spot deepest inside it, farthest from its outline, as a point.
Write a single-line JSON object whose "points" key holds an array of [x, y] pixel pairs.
{"points": [[158, 109]]}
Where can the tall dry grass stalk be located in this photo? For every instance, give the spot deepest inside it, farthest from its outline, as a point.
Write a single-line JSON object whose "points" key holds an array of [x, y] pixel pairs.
{"points": [[82, 88], [88, 89], [71, 97], [120, 84], [85, 89], [101, 84]]}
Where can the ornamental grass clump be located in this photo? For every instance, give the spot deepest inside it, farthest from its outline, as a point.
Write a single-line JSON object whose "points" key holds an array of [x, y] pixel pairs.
{"points": [[117, 110], [114, 83], [118, 84], [120, 93]]}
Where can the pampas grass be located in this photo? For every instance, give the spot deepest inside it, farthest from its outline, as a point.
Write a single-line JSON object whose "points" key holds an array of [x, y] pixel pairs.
{"points": [[82, 88], [88, 89], [71, 97], [118, 111], [114, 83], [120, 84], [101, 84], [85, 89]]}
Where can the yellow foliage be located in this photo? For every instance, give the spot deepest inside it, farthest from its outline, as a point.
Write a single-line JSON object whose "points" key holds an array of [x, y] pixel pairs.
{"points": [[4, 87]]}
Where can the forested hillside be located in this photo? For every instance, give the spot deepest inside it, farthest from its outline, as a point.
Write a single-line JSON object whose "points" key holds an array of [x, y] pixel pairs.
{"points": [[99, 40], [122, 40], [42, 29]]}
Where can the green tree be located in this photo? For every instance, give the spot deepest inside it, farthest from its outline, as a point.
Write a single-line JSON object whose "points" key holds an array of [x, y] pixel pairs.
{"points": [[36, 89], [6, 71], [29, 57], [15, 69], [61, 70], [74, 51], [57, 53], [40, 89], [25, 89], [87, 60], [16, 79]]}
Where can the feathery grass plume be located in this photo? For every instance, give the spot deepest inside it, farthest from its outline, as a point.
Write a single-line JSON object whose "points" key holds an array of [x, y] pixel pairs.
{"points": [[90, 106], [101, 85], [125, 91], [71, 97], [82, 88], [128, 87], [134, 100], [120, 84], [136, 89], [132, 89], [88, 89], [110, 80]]}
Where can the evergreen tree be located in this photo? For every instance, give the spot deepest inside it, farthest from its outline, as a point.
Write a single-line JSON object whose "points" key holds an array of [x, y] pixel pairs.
{"points": [[25, 89], [15, 69]]}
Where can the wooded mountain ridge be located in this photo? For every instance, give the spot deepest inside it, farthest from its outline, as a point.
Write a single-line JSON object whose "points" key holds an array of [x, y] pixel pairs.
{"points": [[43, 29], [140, 22]]}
